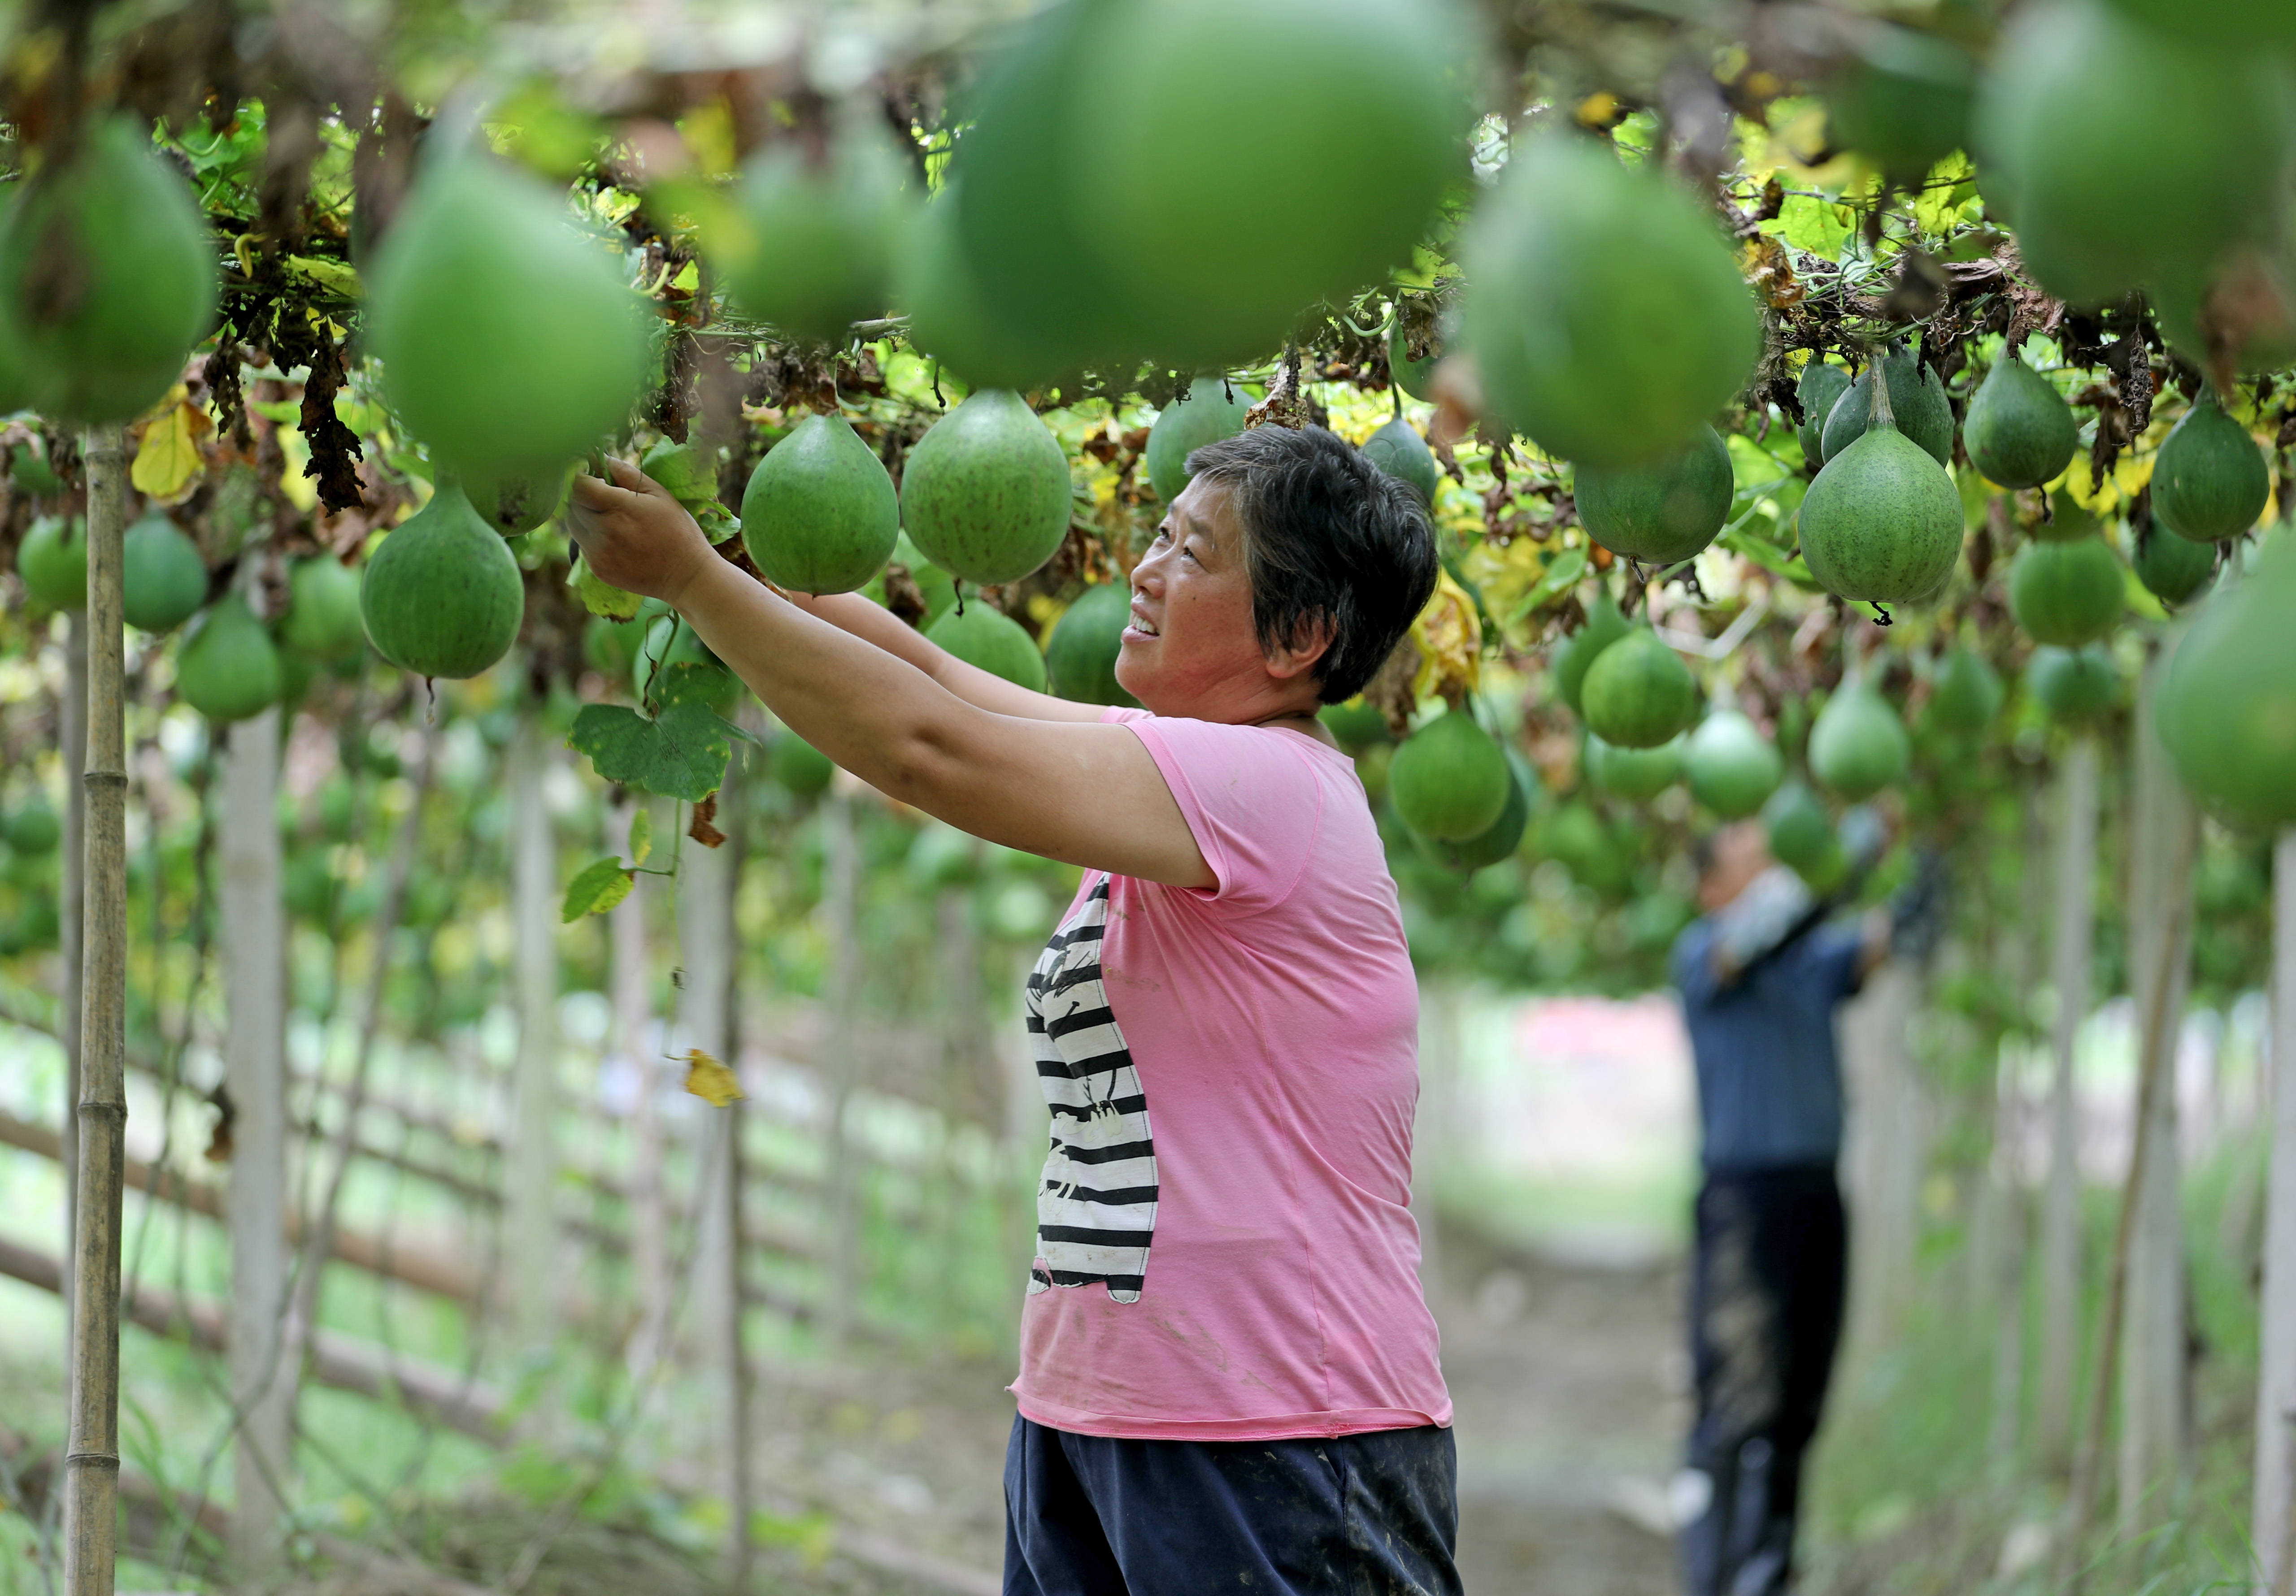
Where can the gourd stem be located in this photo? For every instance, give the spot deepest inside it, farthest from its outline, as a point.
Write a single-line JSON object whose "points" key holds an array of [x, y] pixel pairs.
{"points": [[1881, 414]]}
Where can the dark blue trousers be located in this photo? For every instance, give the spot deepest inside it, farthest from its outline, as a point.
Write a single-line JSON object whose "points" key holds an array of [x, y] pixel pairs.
{"points": [[1370, 1515]]}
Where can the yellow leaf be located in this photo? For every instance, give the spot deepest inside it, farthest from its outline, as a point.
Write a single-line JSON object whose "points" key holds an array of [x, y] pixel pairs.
{"points": [[1450, 639], [168, 461], [641, 837], [711, 1081]]}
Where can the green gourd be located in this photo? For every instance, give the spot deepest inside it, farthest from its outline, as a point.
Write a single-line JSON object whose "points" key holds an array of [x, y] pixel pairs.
{"points": [[1638, 694], [2173, 568], [1081, 653], [801, 768], [1218, 251], [1918, 407], [1414, 377], [806, 246], [443, 595], [1606, 316], [1821, 387], [1801, 833], [1966, 695], [515, 506], [1857, 745], [53, 562], [1450, 779], [1209, 410], [323, 619], [1882, 522], [1636, 775], [1397, 449], [981, 634], [1902, 100], [820, 515], [2073, 686], [1604, 627], [510, 343], [2209, 482], [2126, 156], [32, 828], [1356, 723], [107, 276], [227, 666], [1499, 841], [1663, 513], [163, 580], [985, 493], [1733, 768], [2067, 593], [2227, 707], [2019, 431]]}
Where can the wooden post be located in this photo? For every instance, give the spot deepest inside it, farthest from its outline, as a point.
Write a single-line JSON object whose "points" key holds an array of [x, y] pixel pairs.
{"points": [[71, 920], [2164, 841], [2273, 1527], [841, 895], [530, 1212], [2061, 1220], [633, 1000], [255, 1071], [92, 1452]]}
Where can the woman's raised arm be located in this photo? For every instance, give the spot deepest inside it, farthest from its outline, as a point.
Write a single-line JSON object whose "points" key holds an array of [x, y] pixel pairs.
{"points": [[1072, 788]]}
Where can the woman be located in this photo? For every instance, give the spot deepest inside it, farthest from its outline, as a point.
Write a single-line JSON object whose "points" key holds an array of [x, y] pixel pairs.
{"points": [[1228, 1375]]}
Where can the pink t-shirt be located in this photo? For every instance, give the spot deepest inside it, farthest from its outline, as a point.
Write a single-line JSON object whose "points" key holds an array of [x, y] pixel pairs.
{"points": [[1224, 1248]]}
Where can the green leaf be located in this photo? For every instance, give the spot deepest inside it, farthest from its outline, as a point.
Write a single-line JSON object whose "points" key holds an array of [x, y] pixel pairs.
{"points": [[1816, 225], [599, 596], [1559, 578], [682, 753], [596, 889], [717, 523], [641, 837], [336, 276], [689, 682]]}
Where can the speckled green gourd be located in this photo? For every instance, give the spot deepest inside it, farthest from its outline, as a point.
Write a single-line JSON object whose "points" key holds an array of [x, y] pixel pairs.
{"points": [[2020, 432], [1731, 767], [1917, 407], [2067, 593], [1966, 695], [1882, 522], [443, 595], [1857, 745], [1500, 841], [1799, 830], [985, 493], [1081, 653], [820, 515], [2173, 568], [1397, 449], [2073, 686], [323, 620], [1207, 412], [1638, 694], [1634, 774], [808, 246], [1663, 513], [227, 666], [108, 275], [2226, 708], [1448, 781], [2209, 482], [1572, 656], [53, 562], [514, 506], [1606, 316], [984, 635], [163, 580], [1820, 388]]}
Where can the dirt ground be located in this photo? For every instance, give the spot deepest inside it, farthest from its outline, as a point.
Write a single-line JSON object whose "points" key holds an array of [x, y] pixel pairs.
{"points": [[1568, 1428]]}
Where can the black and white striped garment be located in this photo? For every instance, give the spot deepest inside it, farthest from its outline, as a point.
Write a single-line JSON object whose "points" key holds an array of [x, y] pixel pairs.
{"points": [[1096, 1207]]}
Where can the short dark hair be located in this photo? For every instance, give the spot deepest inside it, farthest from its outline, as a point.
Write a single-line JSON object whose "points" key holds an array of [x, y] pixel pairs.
{"points": [[1329, 539]]}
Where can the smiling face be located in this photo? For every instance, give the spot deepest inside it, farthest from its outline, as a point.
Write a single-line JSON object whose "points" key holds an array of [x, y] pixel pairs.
{"points": [[1190, 648]]}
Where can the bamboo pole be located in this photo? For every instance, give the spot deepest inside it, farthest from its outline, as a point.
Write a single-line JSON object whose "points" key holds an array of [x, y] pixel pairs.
{"points": [[92, 1454], [2272, 1528], [530, 1212], [72, 718], [2061, 1235]]}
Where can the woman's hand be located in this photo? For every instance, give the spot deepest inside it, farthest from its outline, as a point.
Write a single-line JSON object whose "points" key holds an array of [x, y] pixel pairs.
{"points": [[634, 534]]}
